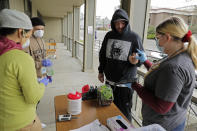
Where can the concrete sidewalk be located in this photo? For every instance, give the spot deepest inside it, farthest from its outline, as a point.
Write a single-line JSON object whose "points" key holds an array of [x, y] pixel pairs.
{"points": [[68, 77]]}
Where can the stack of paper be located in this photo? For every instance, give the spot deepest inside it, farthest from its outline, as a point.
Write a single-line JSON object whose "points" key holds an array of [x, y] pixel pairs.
{"points": [[93, 126]]}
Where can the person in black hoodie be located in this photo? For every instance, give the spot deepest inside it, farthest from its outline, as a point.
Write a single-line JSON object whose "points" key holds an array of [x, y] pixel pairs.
{"points": [[117, 60]]}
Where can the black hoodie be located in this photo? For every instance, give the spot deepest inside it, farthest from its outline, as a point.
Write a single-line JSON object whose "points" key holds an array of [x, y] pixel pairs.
{"points": [[116, 49]]}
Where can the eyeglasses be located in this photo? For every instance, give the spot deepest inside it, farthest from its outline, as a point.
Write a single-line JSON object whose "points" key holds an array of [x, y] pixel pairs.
{"points": [[159, 34]]}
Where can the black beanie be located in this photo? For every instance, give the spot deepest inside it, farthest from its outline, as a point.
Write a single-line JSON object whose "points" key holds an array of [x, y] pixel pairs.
{"points": [[37, 21]]}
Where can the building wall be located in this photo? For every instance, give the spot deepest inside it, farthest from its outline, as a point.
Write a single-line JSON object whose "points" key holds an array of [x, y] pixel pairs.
{"points": [[34, 10], [156, 18], [17, 5], [184, 17], [194, 20], [53, 29]]}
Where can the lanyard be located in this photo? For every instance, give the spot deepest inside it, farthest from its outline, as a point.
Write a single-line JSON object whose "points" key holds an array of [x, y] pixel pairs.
{"points": [[42, 51]]}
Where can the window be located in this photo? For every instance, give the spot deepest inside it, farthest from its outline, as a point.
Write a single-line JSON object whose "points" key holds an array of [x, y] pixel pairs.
{"points": [[4, 4], [28, 8]]}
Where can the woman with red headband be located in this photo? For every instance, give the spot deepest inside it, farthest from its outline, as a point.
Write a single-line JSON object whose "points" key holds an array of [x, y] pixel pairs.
{"points": [[169, 84]]}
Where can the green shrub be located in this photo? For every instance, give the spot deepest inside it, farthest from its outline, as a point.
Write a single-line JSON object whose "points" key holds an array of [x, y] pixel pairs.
{"points": [[151, 32], [150, 36]]}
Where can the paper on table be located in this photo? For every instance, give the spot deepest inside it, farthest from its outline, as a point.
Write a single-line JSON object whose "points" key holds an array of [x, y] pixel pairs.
{"points": [[153, 127], [93, 126]]}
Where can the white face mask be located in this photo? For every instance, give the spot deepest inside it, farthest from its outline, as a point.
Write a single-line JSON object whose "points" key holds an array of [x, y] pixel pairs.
{"points": [[39, 33], [26, 44]]}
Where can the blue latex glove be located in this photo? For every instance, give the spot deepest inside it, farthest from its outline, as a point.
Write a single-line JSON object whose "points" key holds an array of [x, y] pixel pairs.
{"points": [[128, 85], [45, 81], [141, 56], [46, 62], [50, 79]]}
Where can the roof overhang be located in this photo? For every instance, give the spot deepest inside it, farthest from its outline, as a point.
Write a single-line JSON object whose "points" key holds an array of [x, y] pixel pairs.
{"points": [[56, 8]]}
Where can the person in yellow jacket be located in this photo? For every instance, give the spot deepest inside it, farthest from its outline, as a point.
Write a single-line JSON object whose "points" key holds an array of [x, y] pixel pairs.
{"points": [[37, 48], [19, 88]]}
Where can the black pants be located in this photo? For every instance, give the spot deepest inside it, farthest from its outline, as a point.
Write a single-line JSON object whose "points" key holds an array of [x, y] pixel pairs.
{"points": [[123, 100]]}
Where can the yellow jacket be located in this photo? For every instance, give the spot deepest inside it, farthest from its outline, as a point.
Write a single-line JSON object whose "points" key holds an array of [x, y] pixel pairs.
{"points": [[19, 90]]}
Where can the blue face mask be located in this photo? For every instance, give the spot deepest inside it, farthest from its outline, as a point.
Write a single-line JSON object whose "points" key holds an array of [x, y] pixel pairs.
{"points": [[158, 46], [26, 44]]}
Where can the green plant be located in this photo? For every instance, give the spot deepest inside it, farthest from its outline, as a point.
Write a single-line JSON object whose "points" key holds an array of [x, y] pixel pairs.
{"points": [[106, 92], [150, 36], [151, 32]]}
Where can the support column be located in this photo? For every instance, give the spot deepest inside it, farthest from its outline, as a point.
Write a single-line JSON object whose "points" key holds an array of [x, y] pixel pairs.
{"points": [[67, 40], [65, 30], [70, 30], [138, 11], [89, 33], [76, 23], [62, 20]]}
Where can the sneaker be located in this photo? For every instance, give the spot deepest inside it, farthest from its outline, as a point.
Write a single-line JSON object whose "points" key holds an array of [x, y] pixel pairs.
{"points": [[43, 125]]}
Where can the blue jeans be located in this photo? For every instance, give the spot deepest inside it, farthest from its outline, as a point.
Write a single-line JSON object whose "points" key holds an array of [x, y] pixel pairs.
{"points": [[180, 127]]}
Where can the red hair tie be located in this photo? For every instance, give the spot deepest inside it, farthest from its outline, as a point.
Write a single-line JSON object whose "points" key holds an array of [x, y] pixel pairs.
{"points": [[187, 36]]}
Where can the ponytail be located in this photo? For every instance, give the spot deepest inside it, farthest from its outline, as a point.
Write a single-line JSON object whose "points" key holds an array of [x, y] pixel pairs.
{"points": [[192, 50], [176, 27]]}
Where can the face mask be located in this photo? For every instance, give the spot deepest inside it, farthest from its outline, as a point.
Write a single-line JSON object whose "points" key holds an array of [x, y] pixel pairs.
{"points": [[158, 46], [26, 44], [39, 33]]}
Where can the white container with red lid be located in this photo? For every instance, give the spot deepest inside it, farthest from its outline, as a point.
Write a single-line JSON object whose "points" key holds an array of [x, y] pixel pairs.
{"points": [[74, 103]]}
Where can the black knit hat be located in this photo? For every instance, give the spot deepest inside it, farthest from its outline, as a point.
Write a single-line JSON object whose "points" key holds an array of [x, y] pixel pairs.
{"points": [[37, 21]]}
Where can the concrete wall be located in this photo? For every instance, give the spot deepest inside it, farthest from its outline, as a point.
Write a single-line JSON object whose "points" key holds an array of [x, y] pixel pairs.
{"points": [[34, 10], [184, 17], [17, 5], [156, 18], [194, 20], [53, 29]]}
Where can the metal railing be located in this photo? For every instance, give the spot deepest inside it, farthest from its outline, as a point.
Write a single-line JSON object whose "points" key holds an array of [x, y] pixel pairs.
{"points": [[191, 123], [77, 46], [98, 44], [137, 102], [68, 42]]}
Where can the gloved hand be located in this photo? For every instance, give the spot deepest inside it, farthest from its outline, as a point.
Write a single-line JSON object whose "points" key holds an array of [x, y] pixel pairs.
{"points": [[50, 79], [45, 81], [46, 62], [141, 56]]}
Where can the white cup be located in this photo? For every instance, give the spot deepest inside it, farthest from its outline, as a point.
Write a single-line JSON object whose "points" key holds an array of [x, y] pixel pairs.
{"points": [[74, 106]]}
